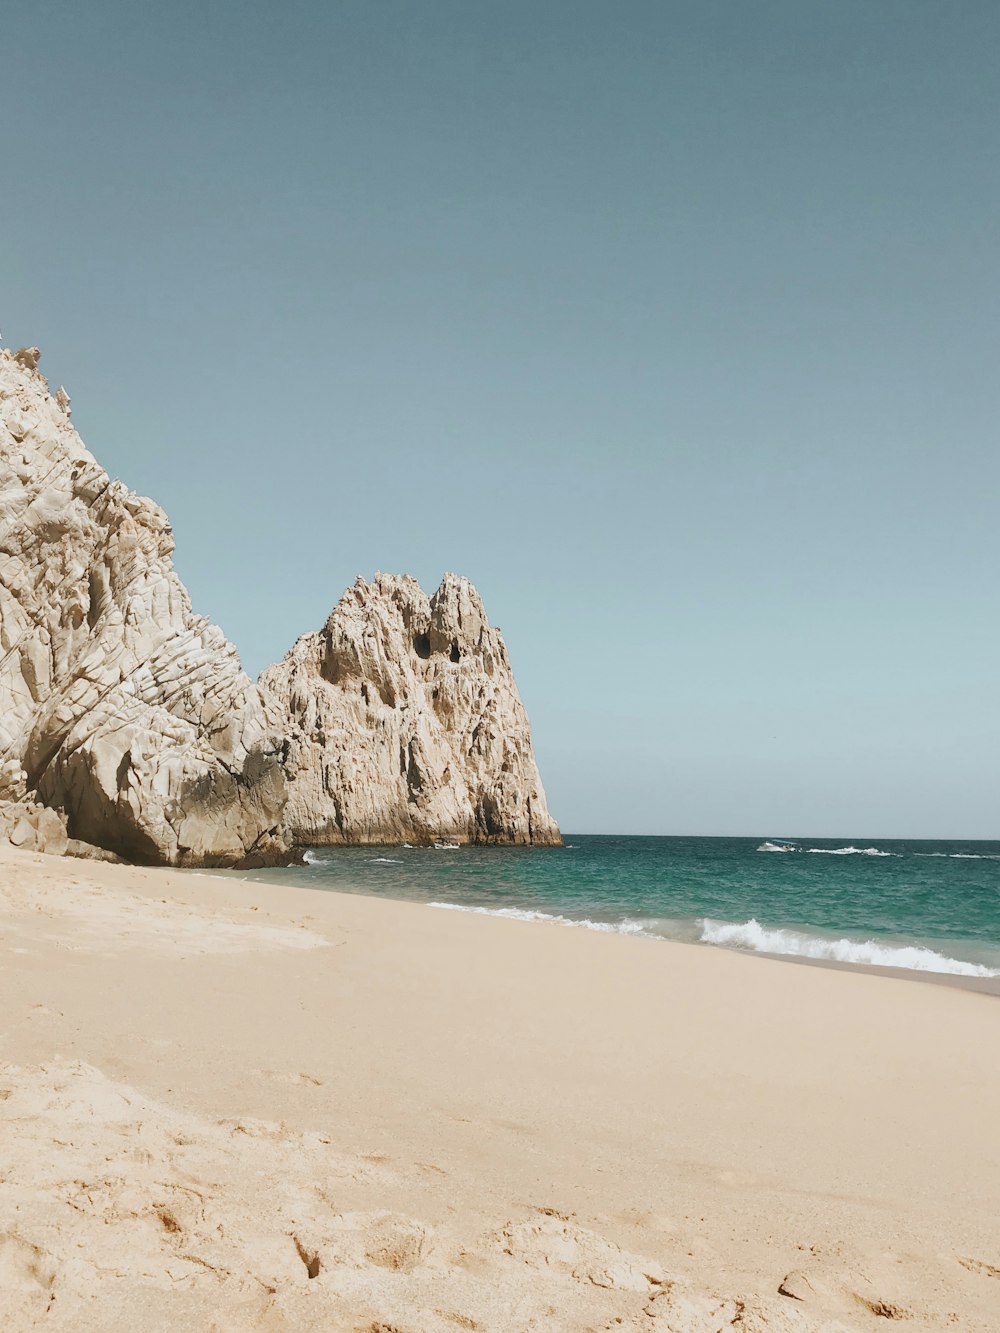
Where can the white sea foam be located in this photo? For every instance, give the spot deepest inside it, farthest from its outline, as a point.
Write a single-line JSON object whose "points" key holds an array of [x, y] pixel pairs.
{"points": [[961, 856], [759, 939], [849, 851], [626, 927], [751, 935], [514, 913], [383, 861], [311, 859]]}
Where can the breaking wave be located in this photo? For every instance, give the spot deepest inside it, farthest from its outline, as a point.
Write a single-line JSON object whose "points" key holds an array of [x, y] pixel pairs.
{"points": [[759, 939], [384, 861], [827, 851], [626, 927], [961, 856], [849, 851]]}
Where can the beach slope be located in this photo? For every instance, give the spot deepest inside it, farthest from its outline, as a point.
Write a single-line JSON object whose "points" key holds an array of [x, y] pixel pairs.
{"points": [[230, 1105]]}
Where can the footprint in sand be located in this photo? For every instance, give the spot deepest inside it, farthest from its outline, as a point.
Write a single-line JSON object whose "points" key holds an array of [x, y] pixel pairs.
{"points": [[300, 1078], [815, 1290], [396, 1244], [167, 1220], [981, 1267], [883, 1309], [386, 1240], [553, 1243], [27, 1270]]}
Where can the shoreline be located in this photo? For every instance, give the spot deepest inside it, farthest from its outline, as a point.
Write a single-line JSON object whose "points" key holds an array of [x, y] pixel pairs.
{"points": [[229, 1100], [953, 981], [982, 985]]}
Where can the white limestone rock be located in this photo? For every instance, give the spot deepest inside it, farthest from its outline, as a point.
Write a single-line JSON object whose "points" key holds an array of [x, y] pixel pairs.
{"points": [[131, 717], [33, 828], [406, 723], [118, 705]]}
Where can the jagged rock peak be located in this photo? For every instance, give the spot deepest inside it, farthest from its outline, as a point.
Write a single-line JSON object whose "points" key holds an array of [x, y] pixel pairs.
{"points": [[119, 706], [130, 716], [406, 723]]}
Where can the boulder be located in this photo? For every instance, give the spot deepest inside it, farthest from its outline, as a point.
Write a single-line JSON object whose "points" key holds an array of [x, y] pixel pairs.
{"points": [[33, 828], [86, 851]]}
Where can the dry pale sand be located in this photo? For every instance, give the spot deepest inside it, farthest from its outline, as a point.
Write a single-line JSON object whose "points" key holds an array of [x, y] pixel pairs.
{"points": [[228, 1105]]}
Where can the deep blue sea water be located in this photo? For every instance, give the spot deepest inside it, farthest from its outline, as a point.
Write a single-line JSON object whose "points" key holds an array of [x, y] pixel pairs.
{"points": [[924, 906]]}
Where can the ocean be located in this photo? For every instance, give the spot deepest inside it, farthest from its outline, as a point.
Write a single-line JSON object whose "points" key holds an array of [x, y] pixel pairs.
{"points": [[924, 907]]}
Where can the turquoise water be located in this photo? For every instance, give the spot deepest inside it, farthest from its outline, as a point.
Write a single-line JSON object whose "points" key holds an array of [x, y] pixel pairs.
{"points": [[924, 906]]}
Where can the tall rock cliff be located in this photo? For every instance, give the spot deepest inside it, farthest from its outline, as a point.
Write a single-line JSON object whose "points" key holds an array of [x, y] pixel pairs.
{"points": [[406, 723], [130, 715], [118, 705]]}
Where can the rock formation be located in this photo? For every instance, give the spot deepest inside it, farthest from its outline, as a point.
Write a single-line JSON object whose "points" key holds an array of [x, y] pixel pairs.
{"points": [[118, 705], [130, 715], [35, 828], [406, 723]]}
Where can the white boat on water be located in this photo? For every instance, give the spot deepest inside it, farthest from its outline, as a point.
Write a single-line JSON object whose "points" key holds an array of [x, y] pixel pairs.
{"points": [[446, 846], [778, 845]]}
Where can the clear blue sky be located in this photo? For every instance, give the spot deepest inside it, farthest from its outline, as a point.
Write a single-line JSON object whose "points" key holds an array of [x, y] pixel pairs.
{"points": [[673, 325]]}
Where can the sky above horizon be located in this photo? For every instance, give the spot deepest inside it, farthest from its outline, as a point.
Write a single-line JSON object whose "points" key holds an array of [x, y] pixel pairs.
{"points": [[674, 327]]}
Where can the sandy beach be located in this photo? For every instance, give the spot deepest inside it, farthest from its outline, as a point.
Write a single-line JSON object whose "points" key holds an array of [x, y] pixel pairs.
{"points": [[229, 1105]]}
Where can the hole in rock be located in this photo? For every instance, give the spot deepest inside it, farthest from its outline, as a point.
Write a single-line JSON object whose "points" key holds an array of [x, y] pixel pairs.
{"points": [[455, 653], [422, 645]]}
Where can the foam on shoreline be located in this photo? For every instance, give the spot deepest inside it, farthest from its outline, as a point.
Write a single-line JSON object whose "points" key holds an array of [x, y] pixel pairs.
{"points": [[751, 937]]}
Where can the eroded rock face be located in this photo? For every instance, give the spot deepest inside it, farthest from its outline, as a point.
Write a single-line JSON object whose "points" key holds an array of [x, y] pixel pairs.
{"points": [[118, 705], [130, 715], [406, 723]]}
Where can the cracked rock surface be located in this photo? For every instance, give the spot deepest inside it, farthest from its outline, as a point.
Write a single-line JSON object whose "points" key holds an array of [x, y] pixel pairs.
{"points": [[118, 705], [406, 723], [131, 716]]}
